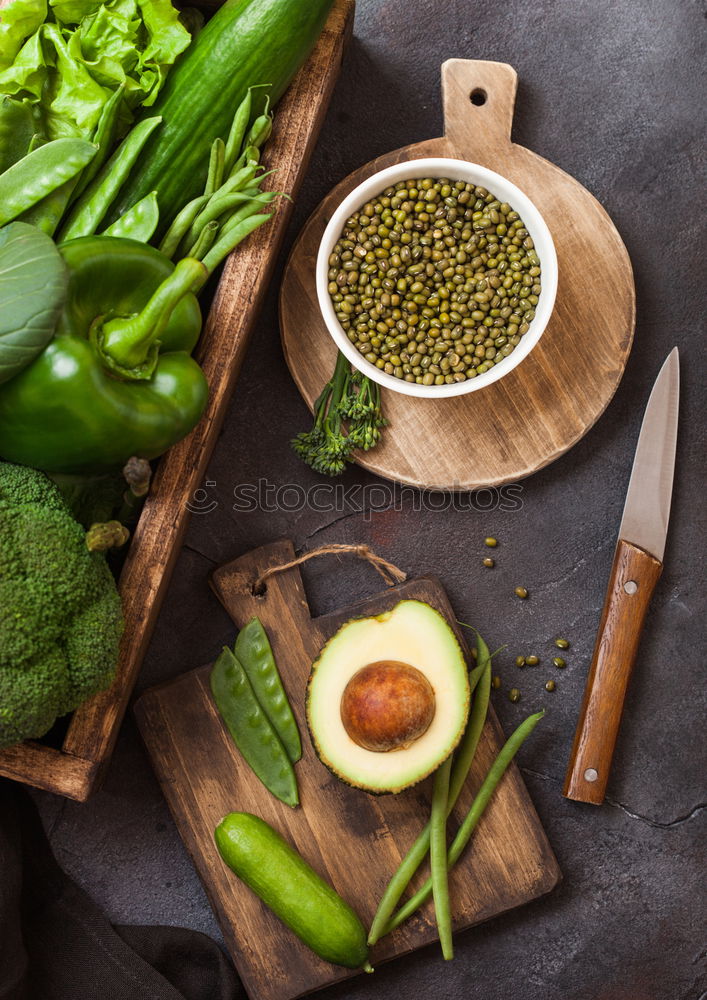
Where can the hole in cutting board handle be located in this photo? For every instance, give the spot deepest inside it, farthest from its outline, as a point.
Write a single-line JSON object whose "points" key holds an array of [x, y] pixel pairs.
{"points": [[478, 97]]}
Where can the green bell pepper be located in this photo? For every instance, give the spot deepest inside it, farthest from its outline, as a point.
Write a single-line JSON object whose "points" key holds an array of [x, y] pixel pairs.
{"points": [[117, 378]]}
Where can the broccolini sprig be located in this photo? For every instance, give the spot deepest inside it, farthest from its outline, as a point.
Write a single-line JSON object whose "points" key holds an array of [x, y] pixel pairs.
{"points": [[347, 415]]}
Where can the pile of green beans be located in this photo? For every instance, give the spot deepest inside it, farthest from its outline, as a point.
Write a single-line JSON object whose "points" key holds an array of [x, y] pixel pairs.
{"points": [[480, 687], [435, 280], [499, 767], [232, 204], [449, 780]]}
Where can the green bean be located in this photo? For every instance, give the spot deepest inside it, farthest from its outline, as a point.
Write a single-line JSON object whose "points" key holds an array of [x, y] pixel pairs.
{"points": [[214, 178], [249, 209], [204, 241], [181, 224], [260, 131], [250, 728], [103, 138], [480, 676], [91, 207], [477, 717], [438, 857], [237, 131], [238, 180], [249, 157], [229, 241], [39, 173], [490, 783], [253, 650], [216, 206], [139, 222]]}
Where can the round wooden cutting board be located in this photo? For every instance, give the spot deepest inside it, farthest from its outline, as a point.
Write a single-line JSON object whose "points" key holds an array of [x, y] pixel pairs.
{"points": [[536, 412]]}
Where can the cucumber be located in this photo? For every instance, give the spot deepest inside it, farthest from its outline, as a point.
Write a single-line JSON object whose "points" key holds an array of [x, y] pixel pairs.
{"points": [[246, 43], [293, 891]]}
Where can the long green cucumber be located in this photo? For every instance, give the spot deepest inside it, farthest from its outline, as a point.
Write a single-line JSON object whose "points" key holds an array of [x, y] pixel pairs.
{"points": [[246, 42], [294, 892]]}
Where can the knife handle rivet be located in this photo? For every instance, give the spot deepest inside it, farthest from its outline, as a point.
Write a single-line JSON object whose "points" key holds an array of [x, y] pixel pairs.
{"points": [[590, 774], [630, 586]]}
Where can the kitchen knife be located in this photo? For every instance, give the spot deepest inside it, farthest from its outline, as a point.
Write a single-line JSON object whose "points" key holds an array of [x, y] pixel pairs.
{"points": [[638, 562]]}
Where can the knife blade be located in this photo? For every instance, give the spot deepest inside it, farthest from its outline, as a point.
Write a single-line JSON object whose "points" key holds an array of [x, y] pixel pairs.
{"points": [[638, 563]]}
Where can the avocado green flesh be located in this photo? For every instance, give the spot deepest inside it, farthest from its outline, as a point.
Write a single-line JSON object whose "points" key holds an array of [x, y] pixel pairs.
{"points": [[413, 633]]}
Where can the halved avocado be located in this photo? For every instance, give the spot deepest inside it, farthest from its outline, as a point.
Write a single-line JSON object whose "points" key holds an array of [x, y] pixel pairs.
{"points": [[388, 698]]}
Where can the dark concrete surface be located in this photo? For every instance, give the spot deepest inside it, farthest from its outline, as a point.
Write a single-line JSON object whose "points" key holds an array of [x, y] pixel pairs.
{"points": [[613, 92]]}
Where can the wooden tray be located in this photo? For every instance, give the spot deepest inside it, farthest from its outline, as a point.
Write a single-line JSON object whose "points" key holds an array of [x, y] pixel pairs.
{"points": [[539, 410], [76, 769], [353, 839]]}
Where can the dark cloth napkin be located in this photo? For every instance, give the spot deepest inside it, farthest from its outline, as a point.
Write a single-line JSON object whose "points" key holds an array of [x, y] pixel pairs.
{"points": [[55, 944]]}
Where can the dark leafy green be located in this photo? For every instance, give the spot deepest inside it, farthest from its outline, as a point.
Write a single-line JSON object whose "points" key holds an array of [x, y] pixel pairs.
{"points": [[33, 281]]}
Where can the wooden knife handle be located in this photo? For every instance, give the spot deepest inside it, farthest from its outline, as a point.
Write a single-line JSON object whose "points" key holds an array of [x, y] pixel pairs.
{"points": [[634, 575]]}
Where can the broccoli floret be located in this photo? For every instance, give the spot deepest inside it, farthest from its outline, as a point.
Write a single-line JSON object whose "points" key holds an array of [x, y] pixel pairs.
{"points": [[60, 614]]}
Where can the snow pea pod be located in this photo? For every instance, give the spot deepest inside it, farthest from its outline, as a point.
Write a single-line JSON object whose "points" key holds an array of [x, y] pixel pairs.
{"points": [[139, 222], [103, 138], [250, 728], [39, 173], [89, 210], [46, 214], [255, 653]]}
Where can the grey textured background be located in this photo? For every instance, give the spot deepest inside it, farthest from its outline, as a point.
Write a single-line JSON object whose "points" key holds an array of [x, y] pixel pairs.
{"points": [[613, 92]]}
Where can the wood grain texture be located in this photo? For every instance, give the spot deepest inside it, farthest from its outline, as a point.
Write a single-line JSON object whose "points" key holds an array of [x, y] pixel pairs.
{"points": [[158, 535], [353, 839], [614, 655], [536, 412]]}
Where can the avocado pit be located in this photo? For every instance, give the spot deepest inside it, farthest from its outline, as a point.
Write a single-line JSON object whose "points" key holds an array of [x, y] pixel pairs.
{"points": [[387, 705]]}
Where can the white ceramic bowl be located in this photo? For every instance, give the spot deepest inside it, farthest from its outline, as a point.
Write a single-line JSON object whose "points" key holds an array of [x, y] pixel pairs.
{"points": [[454, 170]]}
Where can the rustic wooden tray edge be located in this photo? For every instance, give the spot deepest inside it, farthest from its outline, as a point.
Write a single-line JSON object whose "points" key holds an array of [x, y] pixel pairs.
{"points": [[76, 769]]}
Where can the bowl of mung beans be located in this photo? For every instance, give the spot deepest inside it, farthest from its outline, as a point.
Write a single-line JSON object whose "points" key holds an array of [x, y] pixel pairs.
{"points": [[436, 277]]}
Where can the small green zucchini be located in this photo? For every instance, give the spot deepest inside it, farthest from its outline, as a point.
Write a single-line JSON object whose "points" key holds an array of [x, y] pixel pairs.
{"points": [[294, 892]]}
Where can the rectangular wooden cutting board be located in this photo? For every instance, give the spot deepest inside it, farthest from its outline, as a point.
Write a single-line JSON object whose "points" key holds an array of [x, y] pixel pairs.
{"points": [[76, 769], [353, 839]]}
